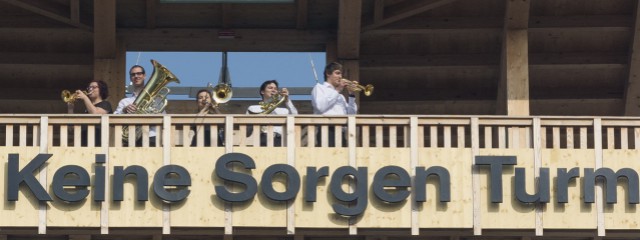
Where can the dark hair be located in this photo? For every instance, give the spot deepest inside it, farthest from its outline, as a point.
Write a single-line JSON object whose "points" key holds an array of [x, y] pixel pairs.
{"points": [[330, 68], [201, 91], [104, 89], [135, 66], [264, 85]]}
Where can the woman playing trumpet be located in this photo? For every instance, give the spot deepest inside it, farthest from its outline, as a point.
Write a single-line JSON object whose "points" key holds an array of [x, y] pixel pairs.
{"points": [[95, 102], [94, 99]]}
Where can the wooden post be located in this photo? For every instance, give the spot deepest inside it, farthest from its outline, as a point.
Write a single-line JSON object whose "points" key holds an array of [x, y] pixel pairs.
{"points": [[513, 88]]}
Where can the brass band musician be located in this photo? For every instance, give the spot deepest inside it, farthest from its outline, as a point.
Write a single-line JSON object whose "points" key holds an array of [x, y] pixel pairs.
{"points": [[271, 99], [95, 102], [205, 104], [328, 98], [137, 76]]}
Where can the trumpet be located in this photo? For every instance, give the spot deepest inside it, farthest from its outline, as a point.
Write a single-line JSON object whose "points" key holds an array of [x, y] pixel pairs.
{"points": [[69, 97], [367, 90]]}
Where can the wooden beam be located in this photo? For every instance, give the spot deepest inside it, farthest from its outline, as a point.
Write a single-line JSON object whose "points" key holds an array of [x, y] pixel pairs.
{"points": [[349, 29], [46, 58], [257, 40], [513, 88], [51, 15], [74, 11], [378, 11], [151, 13], [632, 88], [104, 41], [302, 14], [419, 8], [227, 15]]}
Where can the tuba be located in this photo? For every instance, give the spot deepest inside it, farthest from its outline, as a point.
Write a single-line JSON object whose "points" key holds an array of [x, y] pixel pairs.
{"points": [[153, 98]]}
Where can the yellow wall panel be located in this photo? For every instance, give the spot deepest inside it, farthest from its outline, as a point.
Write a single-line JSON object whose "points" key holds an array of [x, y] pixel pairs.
{"points": [[84, 213], [621, 215], [319, 214], [201, 208], [262, 211], [130, 212], [575, 214], [379, 214], [459, 212], [511, 213], [23, 212]]}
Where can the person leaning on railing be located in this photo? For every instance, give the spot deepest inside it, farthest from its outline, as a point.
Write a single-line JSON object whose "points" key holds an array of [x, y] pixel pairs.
{"points": [[327, 98], [206, 105], [95, 103], [267, 91]]}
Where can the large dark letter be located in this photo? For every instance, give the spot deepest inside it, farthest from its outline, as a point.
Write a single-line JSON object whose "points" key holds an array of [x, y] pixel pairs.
{"points": [[142, 178], [400, 185], [60, 181], [542, 193], [231, 176], [98, 180], [359, 196], [293, 182], [15, 177], [611, 181], [420, 183], [313, 177], [562, 183], [496, 163], [160, 180]]}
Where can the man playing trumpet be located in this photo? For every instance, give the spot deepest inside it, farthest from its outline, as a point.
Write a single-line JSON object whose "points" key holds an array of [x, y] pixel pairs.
{"points": [[327, 99]]}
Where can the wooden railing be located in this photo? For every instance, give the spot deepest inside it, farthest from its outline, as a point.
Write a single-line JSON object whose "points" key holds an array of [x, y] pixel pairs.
{"points": [[367, 131]]}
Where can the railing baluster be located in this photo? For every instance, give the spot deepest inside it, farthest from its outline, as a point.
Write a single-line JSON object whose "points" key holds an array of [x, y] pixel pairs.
{"points": [[570, 138], [461, 142], [488, 141], [447, 136], [502, 138], [583, 138], [64, 138], [421, 136], [379, 136], [543, 137], [393, 133], [311, 135], [270, 136], [624, 138], [324, 139], [91, 135], [9, 136], [434, 136], [365, 136], [636, 142], [611, 141], [556, 137], [515, 137]]}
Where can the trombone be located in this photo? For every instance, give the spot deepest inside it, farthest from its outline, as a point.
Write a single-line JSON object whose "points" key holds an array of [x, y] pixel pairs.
{"points": [[367, 90]]}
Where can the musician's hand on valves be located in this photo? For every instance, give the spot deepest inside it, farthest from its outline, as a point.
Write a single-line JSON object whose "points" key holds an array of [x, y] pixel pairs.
{"points": [[81, 95], [131, 108], [285, 93]]}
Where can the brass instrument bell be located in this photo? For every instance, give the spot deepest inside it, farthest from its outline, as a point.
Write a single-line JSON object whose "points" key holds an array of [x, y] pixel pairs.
{"points": [[367, 90]]}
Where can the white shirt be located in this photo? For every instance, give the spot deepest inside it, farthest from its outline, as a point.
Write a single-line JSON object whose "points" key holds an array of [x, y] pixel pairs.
{"points": [[326, 100], [290, 109], [128, 101]]}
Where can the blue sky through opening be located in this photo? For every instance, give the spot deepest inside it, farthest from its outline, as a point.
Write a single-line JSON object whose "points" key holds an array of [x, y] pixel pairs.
{"points": [[247, 69]]}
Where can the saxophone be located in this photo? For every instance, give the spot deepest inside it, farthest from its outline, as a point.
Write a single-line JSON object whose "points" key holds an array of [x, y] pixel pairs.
{"points": [[153, 98]]}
